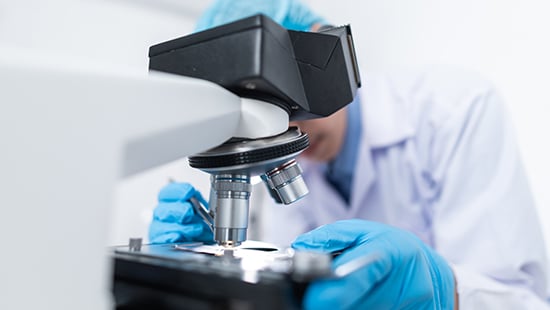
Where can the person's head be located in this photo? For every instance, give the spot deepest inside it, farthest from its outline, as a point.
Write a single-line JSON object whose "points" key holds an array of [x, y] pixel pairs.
{"points": [[326, 135], [291, 14]]}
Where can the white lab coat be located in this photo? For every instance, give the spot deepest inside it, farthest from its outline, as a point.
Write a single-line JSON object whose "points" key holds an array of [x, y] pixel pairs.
{"points": [[438, 158]]}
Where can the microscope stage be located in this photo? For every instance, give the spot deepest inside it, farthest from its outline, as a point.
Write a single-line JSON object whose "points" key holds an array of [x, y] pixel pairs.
{"points": [[254, 275]]}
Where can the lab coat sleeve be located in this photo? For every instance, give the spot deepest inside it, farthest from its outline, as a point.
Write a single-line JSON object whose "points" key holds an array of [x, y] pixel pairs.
{"points": [[484, 219]]}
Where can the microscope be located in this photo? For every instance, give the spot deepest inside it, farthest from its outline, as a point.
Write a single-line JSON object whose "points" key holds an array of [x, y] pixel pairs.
{"points": [[284, 75], [281, 76]]}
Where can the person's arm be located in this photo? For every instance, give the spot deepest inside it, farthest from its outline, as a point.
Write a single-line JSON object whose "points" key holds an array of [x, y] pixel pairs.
{"points": [[484, 218], [377, 267]]}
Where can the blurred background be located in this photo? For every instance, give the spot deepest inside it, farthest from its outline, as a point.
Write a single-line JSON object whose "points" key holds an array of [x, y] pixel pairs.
{"points": [[507, 41]]}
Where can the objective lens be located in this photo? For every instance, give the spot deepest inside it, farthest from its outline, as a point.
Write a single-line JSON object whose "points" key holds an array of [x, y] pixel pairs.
{"points": [[287, 182], [231, 204]]}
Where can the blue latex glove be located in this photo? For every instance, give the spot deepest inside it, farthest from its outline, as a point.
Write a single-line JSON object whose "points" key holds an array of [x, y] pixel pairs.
{"points": [[405, 274], [291, 14], [175, 220]]}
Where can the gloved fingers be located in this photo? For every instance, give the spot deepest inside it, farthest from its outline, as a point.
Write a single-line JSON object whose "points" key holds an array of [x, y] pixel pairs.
{"points": [[174, 212], [180, 192], [333, 237], [373, 264], [163, 232], [352, 289], [167, 237], [327, 294], [324, 239], [201, 199], [176, 192]]}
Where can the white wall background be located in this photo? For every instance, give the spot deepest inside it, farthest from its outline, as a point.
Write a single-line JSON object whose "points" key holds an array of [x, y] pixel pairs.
{"points": [[506, 40]]}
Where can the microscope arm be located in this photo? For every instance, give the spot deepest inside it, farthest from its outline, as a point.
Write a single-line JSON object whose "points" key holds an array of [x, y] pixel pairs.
{"points": [[205, 116], [69, 132]]}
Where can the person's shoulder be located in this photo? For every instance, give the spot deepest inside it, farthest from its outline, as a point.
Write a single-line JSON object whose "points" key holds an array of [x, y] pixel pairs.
{"points": [[427, 80], [436, 90], [418, 99]]}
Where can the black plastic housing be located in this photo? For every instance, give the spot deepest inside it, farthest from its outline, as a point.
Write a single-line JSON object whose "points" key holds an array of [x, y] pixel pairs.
{"points": [[308, 74], [143, 282]]}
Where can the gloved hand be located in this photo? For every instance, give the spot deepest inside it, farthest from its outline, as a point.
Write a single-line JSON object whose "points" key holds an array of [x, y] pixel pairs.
{"points": [[175, 220], [405, 272], [291, 14]]}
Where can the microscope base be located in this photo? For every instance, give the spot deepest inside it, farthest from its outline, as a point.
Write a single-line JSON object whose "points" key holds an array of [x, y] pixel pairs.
{"points": [[163, 277]]}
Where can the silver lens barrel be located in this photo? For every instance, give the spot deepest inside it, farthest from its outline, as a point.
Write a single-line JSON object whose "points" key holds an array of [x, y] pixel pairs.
{"points": [[286, 180], [232, 193]]}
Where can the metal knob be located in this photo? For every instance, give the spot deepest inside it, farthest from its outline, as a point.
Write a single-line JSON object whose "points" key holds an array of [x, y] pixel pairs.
{"points": [[134, 244], [311, 265]]}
